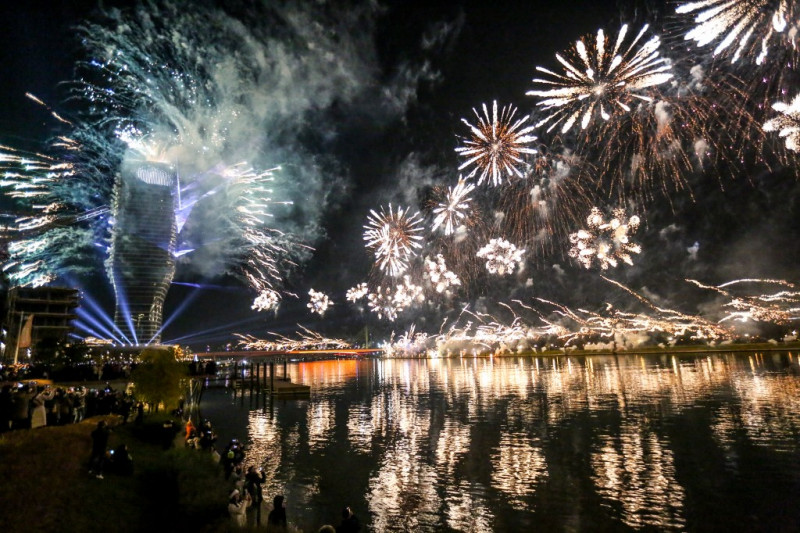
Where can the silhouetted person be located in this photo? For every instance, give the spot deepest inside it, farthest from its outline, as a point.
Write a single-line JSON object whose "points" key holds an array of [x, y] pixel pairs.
{"points": [[99, 444], [276, 521], [349, 522]]}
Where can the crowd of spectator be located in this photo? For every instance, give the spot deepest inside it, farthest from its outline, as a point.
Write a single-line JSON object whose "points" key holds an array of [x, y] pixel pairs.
{"points": [[33, 404]]}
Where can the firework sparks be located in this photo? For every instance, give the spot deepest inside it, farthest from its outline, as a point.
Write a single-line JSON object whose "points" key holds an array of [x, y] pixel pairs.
{"points": [[554, 196], [497, 144], [188, 105], [782, 307], [453, 211], [394, 237], [788, 123], [407, 294], [742, 27], [501, 256], [306, 340], [607, 243], [318, 302], [266, 301], [438, 274], [600, 79], [356, 293], [409, 343], [382, 302]]}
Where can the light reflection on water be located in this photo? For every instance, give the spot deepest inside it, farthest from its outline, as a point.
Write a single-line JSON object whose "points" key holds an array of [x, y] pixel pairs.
{"points": [[512, 444]]}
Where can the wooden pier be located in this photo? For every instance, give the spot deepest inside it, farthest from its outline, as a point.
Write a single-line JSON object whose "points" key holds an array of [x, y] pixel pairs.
{"points": [[260, 376]]}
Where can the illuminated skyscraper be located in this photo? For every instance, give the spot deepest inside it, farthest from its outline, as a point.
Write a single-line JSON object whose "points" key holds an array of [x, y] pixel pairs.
{"points": [[141, 262]]}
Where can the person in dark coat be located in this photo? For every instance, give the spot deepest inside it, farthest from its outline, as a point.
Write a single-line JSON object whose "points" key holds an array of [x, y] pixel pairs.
{"points": [[99, 444], [6, 405], [276, 521], [349, 523]]}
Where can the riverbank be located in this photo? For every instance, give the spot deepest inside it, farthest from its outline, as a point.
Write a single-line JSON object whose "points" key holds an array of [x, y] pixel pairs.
{"points": [[46, 486]]}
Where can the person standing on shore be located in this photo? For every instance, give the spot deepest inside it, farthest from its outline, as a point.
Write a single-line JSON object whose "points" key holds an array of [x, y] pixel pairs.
{"points": [[276, 521], [253, 480], [237, 508], [99, 445], [349, 523], [39, 413]]}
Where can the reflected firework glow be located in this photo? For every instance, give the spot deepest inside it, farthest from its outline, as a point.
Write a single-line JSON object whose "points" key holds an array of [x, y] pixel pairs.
{"points": [[488, 443]]}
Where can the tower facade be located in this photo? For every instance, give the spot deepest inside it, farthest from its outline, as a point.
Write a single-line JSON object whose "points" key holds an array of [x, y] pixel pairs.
{"points": [[141, 262]]}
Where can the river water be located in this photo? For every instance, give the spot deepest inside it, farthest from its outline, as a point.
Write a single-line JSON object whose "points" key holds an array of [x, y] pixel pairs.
{"points": [[660, 442]]}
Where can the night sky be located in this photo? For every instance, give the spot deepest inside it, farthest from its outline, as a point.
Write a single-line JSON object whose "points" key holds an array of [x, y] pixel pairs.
{"points": [[424, 66]]}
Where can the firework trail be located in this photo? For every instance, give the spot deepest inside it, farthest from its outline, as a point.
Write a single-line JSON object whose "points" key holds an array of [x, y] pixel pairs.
{"points": [[600, 80], [782, 307], [393, 236], [452, 212], [787, 124], [318, 302], [742, 28], [603, 242], [307, 340], [502, 257], [497, 145]]}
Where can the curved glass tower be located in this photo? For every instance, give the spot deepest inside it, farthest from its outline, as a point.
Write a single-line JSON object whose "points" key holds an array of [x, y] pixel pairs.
{"points": [[141, 262]]}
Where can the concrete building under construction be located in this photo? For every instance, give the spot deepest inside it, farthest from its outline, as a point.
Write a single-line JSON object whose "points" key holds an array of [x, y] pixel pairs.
{"points": [[52, 310]]}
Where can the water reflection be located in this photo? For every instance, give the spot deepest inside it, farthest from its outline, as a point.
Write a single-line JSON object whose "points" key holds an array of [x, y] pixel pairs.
{"points": [[567, 443]]}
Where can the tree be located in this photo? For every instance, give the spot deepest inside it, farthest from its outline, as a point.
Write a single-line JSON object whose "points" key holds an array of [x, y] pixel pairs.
{"points": [[157, 380]]}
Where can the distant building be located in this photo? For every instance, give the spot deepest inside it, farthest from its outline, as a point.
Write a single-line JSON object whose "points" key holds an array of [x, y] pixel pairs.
{"points": [[52, 309], [141, 261]]}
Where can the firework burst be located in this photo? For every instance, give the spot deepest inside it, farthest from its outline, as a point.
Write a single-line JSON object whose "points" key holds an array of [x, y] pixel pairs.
{"points": [[742, 28], [502, 257], [382, 302], [438, 274], [605, 243], [266, 301], [452, 212], [318, 302], [393, 236], [787, 124], [600, 80], [497, 145], [557, 191], [356, 293]]}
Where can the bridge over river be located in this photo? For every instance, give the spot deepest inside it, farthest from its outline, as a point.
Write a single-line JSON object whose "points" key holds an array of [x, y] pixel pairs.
{"points": [[283, 355]]}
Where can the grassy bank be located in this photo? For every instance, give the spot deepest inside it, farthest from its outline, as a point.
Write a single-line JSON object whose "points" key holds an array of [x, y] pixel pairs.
{"points": [[45, 485]]}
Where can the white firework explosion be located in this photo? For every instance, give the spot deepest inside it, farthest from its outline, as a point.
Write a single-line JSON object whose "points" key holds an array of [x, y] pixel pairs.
{"points": [[318, 302], [788, 123], [501, 256], [356, 293], [606, 243], [450, 213], [266, 300], [741, 27], [394, 237], [407, 294], [441, 278], [382, 303], [600, 80], [497, 145]]}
